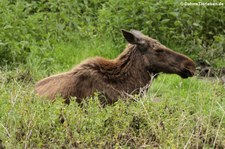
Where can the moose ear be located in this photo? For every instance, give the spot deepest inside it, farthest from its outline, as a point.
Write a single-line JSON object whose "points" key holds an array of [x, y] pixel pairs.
{"points": [[133, 37]]}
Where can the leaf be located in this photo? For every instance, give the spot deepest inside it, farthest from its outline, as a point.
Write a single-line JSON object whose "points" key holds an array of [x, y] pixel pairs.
{"points": [[195, 24], [177, 23], [175, 14], [8, 27], [165, 21]]}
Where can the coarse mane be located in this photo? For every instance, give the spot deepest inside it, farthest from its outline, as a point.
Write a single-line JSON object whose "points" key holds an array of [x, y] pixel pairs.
{"points": [[127, 64]]}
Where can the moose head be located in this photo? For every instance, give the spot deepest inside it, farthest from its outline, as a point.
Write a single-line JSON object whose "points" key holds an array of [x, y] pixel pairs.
{"points": [[158, 58]]}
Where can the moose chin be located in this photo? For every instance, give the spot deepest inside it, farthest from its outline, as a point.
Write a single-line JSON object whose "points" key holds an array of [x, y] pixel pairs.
{"points": [[125, 75]]}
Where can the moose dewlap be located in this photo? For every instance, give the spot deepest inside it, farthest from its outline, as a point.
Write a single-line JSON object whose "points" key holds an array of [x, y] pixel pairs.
{"points": [[124, 75]]}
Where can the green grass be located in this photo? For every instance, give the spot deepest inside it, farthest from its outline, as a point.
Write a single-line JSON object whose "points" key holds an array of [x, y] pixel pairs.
{"points": [[175, 113], [66, 55]]}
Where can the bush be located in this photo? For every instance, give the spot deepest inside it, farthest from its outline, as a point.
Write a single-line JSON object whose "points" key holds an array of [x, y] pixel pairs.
{"points": [[29, 25], [175, 113], [198, 29]]}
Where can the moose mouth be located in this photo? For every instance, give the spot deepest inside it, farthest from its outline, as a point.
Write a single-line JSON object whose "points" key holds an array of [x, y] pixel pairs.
{"points": [[185, 73]]}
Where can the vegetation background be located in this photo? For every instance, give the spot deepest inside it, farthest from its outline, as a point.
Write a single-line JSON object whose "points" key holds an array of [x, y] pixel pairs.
{"points": [[43, 37]]}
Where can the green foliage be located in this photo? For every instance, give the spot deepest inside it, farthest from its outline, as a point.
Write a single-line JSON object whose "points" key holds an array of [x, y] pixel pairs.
{"points": [[187, 113], [195, 28], [27, 26], [48, 36]]}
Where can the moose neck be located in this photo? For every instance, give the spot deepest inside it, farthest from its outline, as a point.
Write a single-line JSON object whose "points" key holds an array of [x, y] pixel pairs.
{"points": [[130, 67]]}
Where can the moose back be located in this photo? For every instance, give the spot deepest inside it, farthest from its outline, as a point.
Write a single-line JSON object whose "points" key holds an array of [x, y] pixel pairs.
{"points": [[127, 73]]}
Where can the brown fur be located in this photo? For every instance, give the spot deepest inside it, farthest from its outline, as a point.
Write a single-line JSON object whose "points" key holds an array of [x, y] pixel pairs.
{"points": [[128, 73]]}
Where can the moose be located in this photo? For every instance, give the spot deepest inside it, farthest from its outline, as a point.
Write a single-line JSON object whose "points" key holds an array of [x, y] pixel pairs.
{"points": [[125, 75]]}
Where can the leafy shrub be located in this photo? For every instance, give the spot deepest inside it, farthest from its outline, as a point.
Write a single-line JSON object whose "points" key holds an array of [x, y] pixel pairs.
{"points": [[37, 25], [31, 25], [190, 113], [196, 28]]}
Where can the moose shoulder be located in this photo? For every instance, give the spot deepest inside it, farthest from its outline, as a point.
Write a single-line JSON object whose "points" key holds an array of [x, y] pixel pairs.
{"points": [[127, 73]]}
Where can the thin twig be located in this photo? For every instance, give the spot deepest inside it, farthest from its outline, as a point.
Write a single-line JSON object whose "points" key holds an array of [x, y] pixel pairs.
{"points": [[192, 133], [7, 132], [214, 143]]}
